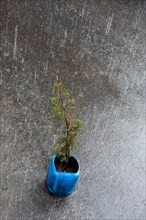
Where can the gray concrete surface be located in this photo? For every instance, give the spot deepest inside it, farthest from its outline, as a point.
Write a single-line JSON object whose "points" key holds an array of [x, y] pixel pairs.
{"points": [[97, 49]]}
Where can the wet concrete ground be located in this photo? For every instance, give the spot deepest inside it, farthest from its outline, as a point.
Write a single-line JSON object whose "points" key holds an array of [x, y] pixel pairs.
{"points": [[97, 49]]}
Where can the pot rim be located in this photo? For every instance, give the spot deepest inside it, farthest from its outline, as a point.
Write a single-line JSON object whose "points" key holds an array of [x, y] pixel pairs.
{"points": [[66, 173]]}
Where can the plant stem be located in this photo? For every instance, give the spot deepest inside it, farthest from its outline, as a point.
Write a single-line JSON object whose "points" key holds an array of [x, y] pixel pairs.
{"points": [[67, 122]]}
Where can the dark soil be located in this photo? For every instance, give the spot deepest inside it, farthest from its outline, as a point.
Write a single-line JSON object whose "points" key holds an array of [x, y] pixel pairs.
{"points": [[70, 167]]}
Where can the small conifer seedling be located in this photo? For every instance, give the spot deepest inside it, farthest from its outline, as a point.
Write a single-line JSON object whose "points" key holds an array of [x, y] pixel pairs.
{"points": [[64, 109]]}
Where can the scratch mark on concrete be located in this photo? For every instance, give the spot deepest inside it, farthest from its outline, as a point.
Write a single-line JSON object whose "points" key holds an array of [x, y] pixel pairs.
{"points": [[134, 53], [143, 78], [1, 81], [50, 25], [64, 40], [35, 75], [74, 29], [134, 79], [140, 64], [138, 17], [117, 109], [15, 42], [88, 35], [124, 21], [133, 43], [28, 126], [46, 68], [6, 38], [51, 46], [108, 27], [7, 210], [65, 34], [83, 10], [22, 190]]}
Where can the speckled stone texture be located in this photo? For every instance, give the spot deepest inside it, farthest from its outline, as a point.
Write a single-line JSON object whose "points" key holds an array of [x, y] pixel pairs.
{"points": [[97, 49]]}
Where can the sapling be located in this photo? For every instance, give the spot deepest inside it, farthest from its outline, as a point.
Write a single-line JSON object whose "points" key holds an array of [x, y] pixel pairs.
{"points": [[64, 109]]}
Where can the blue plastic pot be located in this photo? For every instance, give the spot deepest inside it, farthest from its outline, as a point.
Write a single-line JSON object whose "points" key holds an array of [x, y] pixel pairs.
{"points": [[62, 183]]}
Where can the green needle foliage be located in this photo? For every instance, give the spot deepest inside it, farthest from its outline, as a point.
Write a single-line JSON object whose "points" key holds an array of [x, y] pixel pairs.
{"points": [[64, 109]]}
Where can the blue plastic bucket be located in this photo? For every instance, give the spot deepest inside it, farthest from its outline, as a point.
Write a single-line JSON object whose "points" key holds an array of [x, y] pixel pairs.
{"points": [[61, 183]]}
